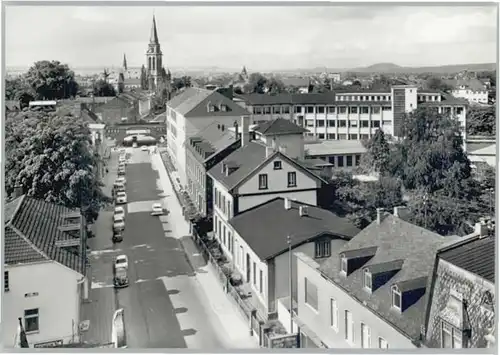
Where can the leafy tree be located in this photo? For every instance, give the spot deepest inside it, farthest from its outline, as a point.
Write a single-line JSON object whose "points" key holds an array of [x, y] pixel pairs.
{"points": [[256, 84], [481, 120], [52, 158], [51, 80], [378, 154], [144, 78], [381, 83], [435, 83], [103, 88], [275, 86]]}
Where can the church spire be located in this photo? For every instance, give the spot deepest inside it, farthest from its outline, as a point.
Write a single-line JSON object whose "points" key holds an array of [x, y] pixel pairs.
{"points": [[124, 62], [154, 34]]}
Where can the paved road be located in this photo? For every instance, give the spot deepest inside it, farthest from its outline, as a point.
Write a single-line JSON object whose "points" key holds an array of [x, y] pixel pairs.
{"points": [[165, 305]]}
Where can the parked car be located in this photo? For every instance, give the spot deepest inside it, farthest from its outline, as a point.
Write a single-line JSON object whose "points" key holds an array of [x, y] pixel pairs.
{"points": [[118, 223], [121, 180], [121, 261], [121, 171], [144, 148], [117, 187], [120, 274], [121, 197], [119, 212], [157, 209], [117, 236]]}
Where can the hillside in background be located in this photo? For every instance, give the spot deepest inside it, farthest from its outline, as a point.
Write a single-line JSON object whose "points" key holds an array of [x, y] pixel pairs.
{"points": [[444, 69]]}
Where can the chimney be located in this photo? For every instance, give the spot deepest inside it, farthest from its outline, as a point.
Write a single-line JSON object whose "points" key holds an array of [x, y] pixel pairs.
{"points": [[245, 130], [288, 203], [303, 211], [398, 210], [379, 215], [235, 125], [223, 167], [18, 191], [269, 151], [481, 228]]}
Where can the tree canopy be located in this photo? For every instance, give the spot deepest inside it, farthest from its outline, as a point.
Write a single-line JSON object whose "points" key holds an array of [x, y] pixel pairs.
{"points": [[51, 80], [435, 83], [256, 84], [103, 88], [51, 157], [481, 120]]}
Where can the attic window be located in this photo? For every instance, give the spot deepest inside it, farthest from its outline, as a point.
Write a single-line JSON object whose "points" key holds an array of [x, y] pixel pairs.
{"points": [[396, 298], [367, 280], [223, 108], [277, 165], [343, 265]]}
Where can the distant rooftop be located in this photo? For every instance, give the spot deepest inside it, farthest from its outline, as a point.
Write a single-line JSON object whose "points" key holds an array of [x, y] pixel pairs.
{"points": [[334, 147]]}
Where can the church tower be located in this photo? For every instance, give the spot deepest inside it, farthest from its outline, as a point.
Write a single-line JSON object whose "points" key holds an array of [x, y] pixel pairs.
{"points": [[154, 59], [124, 62]]}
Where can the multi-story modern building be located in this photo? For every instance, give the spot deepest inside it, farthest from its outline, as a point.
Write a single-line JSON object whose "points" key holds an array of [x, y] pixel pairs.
{"points": [[205, 150], [189, 113], [350, 115]]}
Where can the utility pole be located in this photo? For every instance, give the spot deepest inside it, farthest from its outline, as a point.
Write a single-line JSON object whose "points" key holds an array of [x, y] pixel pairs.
{"points": [[290, 280]]}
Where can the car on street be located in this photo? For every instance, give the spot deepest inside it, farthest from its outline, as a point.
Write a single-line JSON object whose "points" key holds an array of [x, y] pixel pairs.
{"points": [[134, 145], [117, 236], [119, 211], [121, 261], [118, 223], [121, 197], [117, 187], [121, 180], [121, 171], [157, 209], [144, 148]]}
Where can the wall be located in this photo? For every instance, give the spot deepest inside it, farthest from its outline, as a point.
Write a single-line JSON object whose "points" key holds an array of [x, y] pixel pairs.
{"points": [[277, 186], [471, 95], [58, 301], [293, 143], [319, 321], [471, 287]]}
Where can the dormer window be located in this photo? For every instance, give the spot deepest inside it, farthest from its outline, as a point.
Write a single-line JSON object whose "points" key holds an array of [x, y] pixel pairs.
{"points": [[396, 298], [277, 165], [367, 280], [343, 265], [223, 108]]}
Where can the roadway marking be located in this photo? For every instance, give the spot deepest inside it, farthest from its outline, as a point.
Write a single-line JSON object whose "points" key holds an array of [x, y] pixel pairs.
{"points": [[98, 253]]}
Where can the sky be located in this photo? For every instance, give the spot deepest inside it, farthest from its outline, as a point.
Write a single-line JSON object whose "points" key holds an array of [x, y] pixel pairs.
{"points": [[259, 37]]}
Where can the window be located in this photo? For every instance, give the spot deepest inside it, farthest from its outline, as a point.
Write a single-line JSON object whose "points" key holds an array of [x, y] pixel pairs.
{"points": [[342, 123], [220, 227], [220, 199], [257, 110], [342, 136], [292, 179], [343, 265], [229, 241], [254, 273], [215, 225], [276, 109], [353, 123], [224, 235], [310, 109], [267, 110], [353, 136], [366, 336], [334, 314], [223, 204], [342, 110], [322, 248], [367, 280], [321, 136], [298, 109], [277, 165], [285, 109], [309, 123], [365, 110], [349, 327], [31, 321], [340, 161], [330, 136], [365, 124], [320, 123], [261, 281], [6, 281], [331, 123], [331, 109], [311, 294], [357, 159], [396, 298], [349, 160], [451, 337], [321, 109], [229, 208], [375, 124], [262, 181], [353, 109], [382, 343]]}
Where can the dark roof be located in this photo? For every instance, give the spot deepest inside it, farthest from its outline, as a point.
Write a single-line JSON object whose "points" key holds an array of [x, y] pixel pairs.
{"points": [[476, 256], [279, 126], [31, 231], [193, 102], [394, 239], [211, 139], [268, 237]]}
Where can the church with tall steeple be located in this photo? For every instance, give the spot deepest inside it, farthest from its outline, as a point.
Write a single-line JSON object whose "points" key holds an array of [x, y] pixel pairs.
{"points": [[154, 77]]}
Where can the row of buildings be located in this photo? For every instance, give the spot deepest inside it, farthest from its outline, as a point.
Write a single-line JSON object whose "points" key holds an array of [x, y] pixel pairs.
{"points": [[245, 163]]}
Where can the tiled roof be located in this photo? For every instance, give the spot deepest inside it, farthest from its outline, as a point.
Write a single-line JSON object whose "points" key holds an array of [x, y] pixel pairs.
{"points": [[335, 147], [268, 237], [471, 84], [394, 239], [215, 138], [476, 256], [32, 229], [188, 99], [279, 126]]}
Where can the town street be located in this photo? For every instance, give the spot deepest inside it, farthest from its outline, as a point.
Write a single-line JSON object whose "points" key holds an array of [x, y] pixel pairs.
{"points": [[166, 305]]}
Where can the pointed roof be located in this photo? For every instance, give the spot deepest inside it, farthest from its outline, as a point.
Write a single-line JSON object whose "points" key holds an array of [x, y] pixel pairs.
{"points": [[154, 33], [124, 62]]}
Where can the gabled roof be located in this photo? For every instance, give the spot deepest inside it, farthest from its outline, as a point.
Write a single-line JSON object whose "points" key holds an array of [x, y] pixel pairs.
{"points": [[265, 227], [250, 158], [32, 230], [477, 257], [278, 127], [394, 239], [193, 102], [216, 138]]}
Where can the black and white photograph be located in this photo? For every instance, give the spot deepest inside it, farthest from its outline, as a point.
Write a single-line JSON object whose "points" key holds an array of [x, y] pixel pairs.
{"points": [[253, 177]]}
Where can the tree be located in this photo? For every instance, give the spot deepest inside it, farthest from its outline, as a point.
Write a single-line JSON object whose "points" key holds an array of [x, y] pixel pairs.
{"points": [[103, 88], [435, 83], [256, 84], [51, 157], [51, 80], [378, 154], [144, 78], [481, 120], [105, 75], [382, 83], [121, 83], [275, 86]]}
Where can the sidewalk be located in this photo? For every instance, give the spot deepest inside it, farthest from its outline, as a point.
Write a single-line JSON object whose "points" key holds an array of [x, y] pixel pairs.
{"points": [[237, 328]]}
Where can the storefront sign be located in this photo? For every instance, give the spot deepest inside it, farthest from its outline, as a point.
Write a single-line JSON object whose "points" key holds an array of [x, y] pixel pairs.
{"points": [[49, 344]]}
